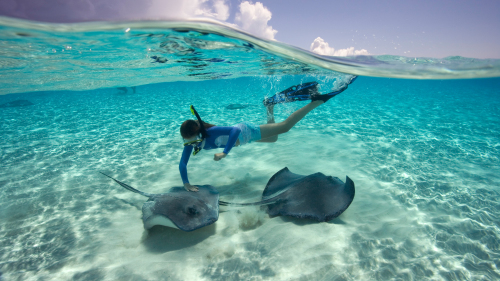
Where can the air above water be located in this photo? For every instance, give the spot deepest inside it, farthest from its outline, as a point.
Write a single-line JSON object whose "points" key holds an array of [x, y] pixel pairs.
{"points": [[418, 136]]}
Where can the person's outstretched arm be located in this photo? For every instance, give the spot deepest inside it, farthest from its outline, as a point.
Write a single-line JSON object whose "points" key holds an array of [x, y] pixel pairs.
{"points": [[186, 153]]}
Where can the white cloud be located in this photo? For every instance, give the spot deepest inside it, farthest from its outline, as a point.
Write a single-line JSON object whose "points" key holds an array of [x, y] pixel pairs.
{"points": [[217, 9], [221, 9], [253, 18], [321, 47]]}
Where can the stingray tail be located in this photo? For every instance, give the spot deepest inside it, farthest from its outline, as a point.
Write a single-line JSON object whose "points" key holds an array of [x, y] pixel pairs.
{"points": [[263, 202], [126, 186]]}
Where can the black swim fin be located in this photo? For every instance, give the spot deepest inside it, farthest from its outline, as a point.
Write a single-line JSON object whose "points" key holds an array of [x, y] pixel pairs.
{"points": [[299, 92], [328, 96]]}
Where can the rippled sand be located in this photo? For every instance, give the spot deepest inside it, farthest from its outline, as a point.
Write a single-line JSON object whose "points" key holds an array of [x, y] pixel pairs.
{"points": [[424, 157]]}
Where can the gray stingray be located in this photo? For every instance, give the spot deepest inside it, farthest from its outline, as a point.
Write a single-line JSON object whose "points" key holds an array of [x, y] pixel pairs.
{"points": [[179, 208], [16, 103], [315, 196]]}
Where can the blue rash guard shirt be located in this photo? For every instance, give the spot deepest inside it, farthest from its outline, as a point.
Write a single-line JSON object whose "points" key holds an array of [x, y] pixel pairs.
{"points": [[219, 137]]}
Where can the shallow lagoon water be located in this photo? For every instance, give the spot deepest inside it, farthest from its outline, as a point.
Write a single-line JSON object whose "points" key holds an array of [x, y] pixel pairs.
{"points": [[424, 155]]}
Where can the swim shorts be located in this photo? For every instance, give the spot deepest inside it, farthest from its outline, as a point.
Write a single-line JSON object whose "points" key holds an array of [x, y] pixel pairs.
{"points": [[249, 132]]}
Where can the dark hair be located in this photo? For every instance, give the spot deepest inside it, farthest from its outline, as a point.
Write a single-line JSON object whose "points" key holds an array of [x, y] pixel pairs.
{"points": [[191, 128]]}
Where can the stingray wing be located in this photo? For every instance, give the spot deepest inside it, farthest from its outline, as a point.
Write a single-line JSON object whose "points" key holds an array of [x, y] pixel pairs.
{"points": [[316, 197], [280, 182]]}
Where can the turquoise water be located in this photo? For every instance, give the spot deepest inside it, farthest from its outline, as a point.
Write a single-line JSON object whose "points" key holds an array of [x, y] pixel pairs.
{"points": [[424, 155]]}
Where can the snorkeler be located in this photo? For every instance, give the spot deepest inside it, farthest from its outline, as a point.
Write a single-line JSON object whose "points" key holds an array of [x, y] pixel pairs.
{"points": [[199, 135]]}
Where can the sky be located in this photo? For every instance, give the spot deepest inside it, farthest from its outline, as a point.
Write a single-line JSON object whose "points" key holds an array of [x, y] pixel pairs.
{"points": [[411, 28]]}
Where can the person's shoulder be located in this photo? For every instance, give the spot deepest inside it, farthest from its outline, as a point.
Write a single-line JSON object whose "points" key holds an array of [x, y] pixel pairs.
{"points": [[219, 129], [214, 130]]}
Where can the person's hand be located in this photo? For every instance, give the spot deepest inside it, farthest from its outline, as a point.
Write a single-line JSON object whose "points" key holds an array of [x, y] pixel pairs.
{"points": [[219, 156], [190, 187]]}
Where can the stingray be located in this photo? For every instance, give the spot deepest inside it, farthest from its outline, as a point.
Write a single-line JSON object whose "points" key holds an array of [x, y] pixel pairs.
{"points": [[179, 208], [316, 196], [16, 103]]}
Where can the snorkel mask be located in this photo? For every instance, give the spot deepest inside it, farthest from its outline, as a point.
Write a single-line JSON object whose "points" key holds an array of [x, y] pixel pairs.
{"points": [[193, 142], [198, 143]]}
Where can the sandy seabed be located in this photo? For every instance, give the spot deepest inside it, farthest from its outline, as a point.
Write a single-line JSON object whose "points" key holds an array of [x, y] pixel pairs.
{"points": [[425, 207]]}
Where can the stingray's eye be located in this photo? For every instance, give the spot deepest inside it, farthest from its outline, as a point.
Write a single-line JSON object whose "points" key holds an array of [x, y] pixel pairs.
{"points": [[192, 211]]}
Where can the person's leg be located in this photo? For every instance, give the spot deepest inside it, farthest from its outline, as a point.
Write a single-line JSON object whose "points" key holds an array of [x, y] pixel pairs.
{"points": [[274, 129], [270, 120]]}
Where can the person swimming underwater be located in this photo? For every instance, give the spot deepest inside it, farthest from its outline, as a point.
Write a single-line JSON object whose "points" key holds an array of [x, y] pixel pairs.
{"points": [[199, 135]]}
